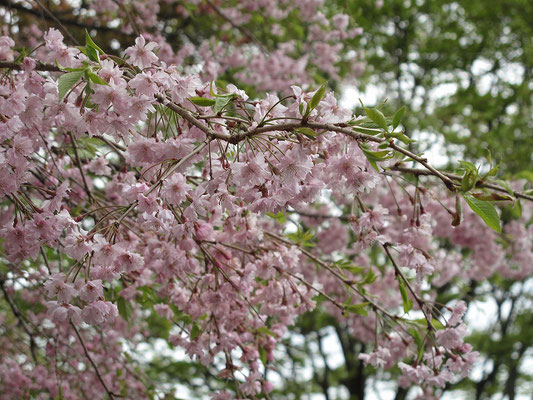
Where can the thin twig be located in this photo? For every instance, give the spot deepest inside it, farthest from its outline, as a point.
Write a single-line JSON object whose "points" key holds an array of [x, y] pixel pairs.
{"points": [[455, 177], [109, 393], [20, 318], [80, 168]]}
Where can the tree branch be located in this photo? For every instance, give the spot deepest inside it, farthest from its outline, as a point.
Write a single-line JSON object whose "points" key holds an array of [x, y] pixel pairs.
{"points": [[109, 393]]}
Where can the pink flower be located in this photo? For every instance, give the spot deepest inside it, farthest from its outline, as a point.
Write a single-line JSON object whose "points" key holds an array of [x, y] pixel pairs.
{"points": [[99, 312], [458, 311], [144, 84], [142, 151], [62, 312], [294, 167], [141, 55], [374, 218], [204, 231], [414, 259], [253, 172], [56, 286], [175, 189], [127, 261], [252, 385], [54, 40], [6, 43], [99, 166], [221, 396], [451, 338], [76, 246], [147, 204], [92, 291], [231, 88], [378, 358], [333, 113], [104, 252], [440, 378], [184, 87], [8, 184]]}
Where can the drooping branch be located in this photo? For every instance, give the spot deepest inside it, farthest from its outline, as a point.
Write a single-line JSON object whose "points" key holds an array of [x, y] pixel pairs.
{"points": [[20, 318]]}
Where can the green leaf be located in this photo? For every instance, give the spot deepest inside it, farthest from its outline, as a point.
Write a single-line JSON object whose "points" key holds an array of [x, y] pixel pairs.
{"points": [[419, 341], [195, 331], [417, 337], [280, 217], [301, 108], [368, 131], [505, 185], [470, 176], [401, 137], [406, 301], [369, 278], [377, 117], [92, 53], [485, 210], [307, 132], [517, 208], [124, 309], [67, 81], [492, 197], [354, 269], [90, 42], [375, 156], [434, 322], [202, 101], [398, 117], [262, 355], [264, 330], [95, 78], [468, 166], [359, 309], [222, 101], [315, 100]]}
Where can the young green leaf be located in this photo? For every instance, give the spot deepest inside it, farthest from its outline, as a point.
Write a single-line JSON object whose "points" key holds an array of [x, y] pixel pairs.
{"points": [[359, 309], [95, 78], [374, 156], [378, 118], [368, 131], [90, 43], [263, 355], [406, 301], [67, 81], [307, 132], [505, 185], [202, 101], [369, 278], [92, 53], [401, 137], [195, 331], [124, 309], [315, 100], [485, 210], [398, 117], [222, 101]]}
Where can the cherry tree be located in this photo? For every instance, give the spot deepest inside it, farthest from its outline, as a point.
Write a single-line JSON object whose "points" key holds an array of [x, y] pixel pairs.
{"points": [[219, 192]]}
